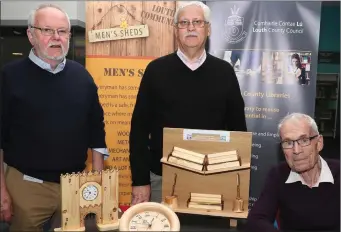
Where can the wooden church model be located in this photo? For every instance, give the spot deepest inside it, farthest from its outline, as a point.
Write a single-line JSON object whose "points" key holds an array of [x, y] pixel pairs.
{"points": [[89, 192]]}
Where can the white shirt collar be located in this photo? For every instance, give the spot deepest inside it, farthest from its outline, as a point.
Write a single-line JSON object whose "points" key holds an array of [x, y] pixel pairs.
{"points": [[325, 175], [194, 64], [42, 64]]}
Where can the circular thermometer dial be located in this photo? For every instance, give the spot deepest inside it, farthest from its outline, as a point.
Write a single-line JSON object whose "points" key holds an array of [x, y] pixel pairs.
{"points": [[149, 220], [149, 216]]}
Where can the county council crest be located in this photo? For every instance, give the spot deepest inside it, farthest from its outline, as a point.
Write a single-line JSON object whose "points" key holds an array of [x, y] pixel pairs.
{"points": [[234, 27]]}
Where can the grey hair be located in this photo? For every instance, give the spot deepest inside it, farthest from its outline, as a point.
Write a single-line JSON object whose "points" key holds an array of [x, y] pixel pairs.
{"points": [[205, 8], [297, 117], [32, 15]]}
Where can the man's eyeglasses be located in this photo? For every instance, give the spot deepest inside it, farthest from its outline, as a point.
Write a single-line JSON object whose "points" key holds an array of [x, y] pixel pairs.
{"points": [[51, 32], [288, 144], [196, 23]]}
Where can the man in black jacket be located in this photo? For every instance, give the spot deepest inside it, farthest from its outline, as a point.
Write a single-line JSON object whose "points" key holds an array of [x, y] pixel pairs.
{"points": [[186, 89]]}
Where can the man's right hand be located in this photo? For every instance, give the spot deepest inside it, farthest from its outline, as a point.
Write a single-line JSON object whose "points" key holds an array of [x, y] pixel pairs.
{"points": [[6, 211], [140, 194]]}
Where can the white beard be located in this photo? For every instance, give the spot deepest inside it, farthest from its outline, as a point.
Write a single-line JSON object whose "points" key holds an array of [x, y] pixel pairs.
{"points": [[44, 54]]}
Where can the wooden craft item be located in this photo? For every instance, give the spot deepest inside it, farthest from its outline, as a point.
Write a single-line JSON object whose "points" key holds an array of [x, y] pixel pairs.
{"points": [[204, 162], [205, 201], [172, 200], [197, 186], [238, 204], [89, 192]]}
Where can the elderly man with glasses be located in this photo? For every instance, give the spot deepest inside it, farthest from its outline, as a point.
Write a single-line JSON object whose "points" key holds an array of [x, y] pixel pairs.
{"points": [[50, 117], [304, 191], [185, 89]]}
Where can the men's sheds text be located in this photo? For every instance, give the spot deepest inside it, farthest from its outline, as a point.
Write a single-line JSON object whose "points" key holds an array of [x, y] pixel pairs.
{"points": [[123, 72]]}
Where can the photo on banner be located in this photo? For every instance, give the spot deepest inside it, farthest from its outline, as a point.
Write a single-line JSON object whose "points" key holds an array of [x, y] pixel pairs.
{"points": [[274, 67], [273, 48]]}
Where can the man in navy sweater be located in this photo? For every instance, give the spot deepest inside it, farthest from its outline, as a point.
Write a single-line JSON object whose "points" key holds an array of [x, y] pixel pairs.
{"points": [[50, 117], [304, 192], [186, 89]]}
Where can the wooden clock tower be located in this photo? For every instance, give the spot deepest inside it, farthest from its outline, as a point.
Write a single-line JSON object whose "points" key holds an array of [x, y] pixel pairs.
{"points": [[89, 192]]}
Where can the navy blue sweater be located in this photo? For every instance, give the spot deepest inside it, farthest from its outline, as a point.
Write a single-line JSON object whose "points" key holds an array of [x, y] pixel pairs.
{"points": [[300, 208], [49, 120]]}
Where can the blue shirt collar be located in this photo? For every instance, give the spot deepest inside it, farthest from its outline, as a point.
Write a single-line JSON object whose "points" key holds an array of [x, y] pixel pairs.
{"points": [[42, 64]]}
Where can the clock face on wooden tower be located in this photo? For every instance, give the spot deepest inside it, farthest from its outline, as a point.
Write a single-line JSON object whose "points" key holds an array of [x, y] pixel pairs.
{"points": [[90, 192]]}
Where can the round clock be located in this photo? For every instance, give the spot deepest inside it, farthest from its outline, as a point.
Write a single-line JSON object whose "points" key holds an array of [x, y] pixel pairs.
{"points": [[149, 216], [90, 192]]}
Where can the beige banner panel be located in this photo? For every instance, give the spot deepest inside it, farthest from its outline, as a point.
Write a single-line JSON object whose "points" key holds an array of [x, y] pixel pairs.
{"points": [[122, 37]]}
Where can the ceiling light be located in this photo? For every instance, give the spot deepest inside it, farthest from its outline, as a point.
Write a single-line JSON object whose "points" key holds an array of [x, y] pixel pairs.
{"points": [[17, 54]]}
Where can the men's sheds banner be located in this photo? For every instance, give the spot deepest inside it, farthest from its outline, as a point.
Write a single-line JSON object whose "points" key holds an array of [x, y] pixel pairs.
{"points": [[118, 80], [273, 49]]}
